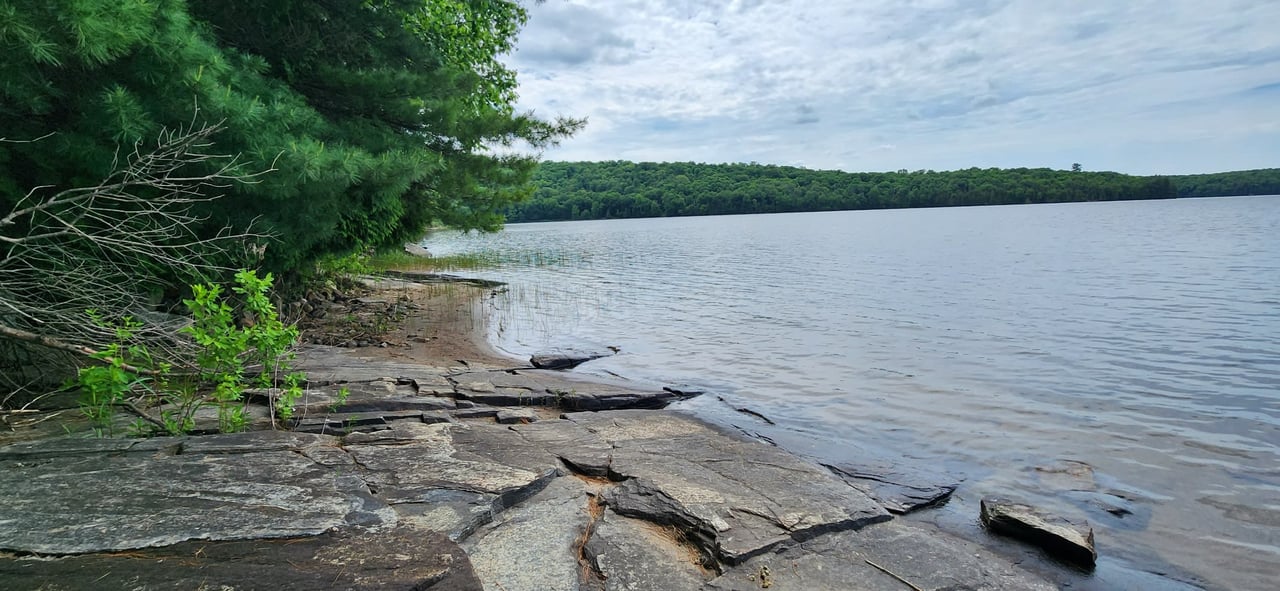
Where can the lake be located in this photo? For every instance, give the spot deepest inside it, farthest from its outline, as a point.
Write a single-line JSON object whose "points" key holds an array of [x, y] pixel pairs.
{"points": [[997, 344]]}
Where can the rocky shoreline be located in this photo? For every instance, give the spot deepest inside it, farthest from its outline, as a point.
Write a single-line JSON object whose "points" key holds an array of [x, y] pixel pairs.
{"points": [[445, 466]]}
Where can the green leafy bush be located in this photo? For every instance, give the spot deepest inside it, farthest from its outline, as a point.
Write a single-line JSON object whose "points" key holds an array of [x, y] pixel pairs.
{"points": [[232, 358], [106, 386], [229, 353]]}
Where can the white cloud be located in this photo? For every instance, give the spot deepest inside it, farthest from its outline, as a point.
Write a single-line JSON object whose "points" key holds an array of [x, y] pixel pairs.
{"points": [[1140, 86]]}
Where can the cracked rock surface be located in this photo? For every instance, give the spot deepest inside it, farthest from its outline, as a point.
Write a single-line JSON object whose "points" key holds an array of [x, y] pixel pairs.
{"points": [[737, 497], [410, 482]]}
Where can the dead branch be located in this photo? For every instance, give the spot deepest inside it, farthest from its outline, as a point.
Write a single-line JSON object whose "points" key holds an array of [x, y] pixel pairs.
{"points": [[114, 246]]}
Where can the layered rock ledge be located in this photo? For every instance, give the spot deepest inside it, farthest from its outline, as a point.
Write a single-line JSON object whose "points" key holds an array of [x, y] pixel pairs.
{"points": [[429, 462], [410, 482]]}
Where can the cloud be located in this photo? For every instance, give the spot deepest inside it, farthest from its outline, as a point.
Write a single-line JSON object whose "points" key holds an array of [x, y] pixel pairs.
{"points": [[1139, 86], [805, 114], [570, 35]]}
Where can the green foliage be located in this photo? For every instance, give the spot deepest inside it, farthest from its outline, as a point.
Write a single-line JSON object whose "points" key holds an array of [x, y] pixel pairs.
{"points": [[403, 261], [232, 358], [103, 387], [378, 117], [343, 394], [228, 350], [1243, 182], [593, 190]]}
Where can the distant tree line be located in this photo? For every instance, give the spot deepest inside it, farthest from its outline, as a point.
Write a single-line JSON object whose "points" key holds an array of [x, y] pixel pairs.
{"points": [[619, 189], [1265, 181]]}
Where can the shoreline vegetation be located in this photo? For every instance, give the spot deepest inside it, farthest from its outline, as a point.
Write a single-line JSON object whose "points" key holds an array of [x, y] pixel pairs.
{"points": [[417, 435], [619, 189], [150, 151]]}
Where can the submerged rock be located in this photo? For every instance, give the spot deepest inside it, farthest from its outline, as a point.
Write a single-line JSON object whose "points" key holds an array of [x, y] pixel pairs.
{"points": [[563, 359], [1057, 535]]}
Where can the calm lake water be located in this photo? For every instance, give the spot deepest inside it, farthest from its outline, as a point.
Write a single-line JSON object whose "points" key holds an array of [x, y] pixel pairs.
{"points": [[1140, 338]]}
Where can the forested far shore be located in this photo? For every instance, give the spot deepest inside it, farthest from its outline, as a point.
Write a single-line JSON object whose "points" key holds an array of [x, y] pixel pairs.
{"points": [[621, 189]]}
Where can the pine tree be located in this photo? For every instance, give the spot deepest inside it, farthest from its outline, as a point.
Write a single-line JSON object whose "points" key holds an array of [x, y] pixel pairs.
{"points": [[378, 117]]}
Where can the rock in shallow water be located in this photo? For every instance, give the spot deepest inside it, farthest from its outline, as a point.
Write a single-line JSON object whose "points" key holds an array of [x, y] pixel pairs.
{"points": [[733, 498], [563, 359], [1059, 536]]}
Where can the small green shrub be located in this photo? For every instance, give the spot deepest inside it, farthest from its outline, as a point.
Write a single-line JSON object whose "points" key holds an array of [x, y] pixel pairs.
{"points": [[228, 351], [232, 357], [104, 387]]}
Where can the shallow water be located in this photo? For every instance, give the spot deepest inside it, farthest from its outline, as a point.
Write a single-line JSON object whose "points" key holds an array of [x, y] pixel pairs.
{"points": [[1141, 338]]}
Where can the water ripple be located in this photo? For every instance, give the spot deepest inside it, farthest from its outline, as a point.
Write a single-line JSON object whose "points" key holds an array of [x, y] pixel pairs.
{"points": [[1141, 338]]}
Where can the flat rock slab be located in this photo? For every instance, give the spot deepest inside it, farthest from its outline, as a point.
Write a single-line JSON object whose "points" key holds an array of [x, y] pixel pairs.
{"points": [[378, 395], [413, 461], [399, 558], [326, 365], [533, 547], [516, 416], [583, 451], [899, 489], [145, 494], [897, 483], [925, 557], [563, 359], [549, 388], [731, 497], [1060, 537], [634, 555]]}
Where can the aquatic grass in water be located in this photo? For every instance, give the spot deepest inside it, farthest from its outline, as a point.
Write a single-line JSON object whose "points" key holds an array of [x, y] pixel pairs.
{"points": [[518, 311], [403, 261], [445, 244]]}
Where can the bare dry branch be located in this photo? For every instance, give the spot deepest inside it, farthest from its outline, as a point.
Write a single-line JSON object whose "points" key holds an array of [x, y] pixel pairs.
{"points": [[114, 246]]}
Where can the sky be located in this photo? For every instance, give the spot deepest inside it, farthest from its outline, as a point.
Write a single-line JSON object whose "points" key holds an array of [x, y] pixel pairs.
{"points": [[1135, 86]]}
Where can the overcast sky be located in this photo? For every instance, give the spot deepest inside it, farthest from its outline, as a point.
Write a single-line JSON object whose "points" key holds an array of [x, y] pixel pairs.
{"points": [[1137, 86]]}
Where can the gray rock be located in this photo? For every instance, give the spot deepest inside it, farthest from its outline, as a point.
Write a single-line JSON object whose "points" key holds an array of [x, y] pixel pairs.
{"points": [[326, 365], [363, 398], [77, 503], [563, 359], [456, 513], [898, 490], [1059, 536], [612, 398], [633, 555], [534, 547], [899, 484], [74, 446], [436, 385], [418, 459], [547, 388], [923, 556], [733, 498], [509, 397], [516, 416], [398, 558], [582, 451], [479, 387], [416, 249], [475, 411], [254, 442]]}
